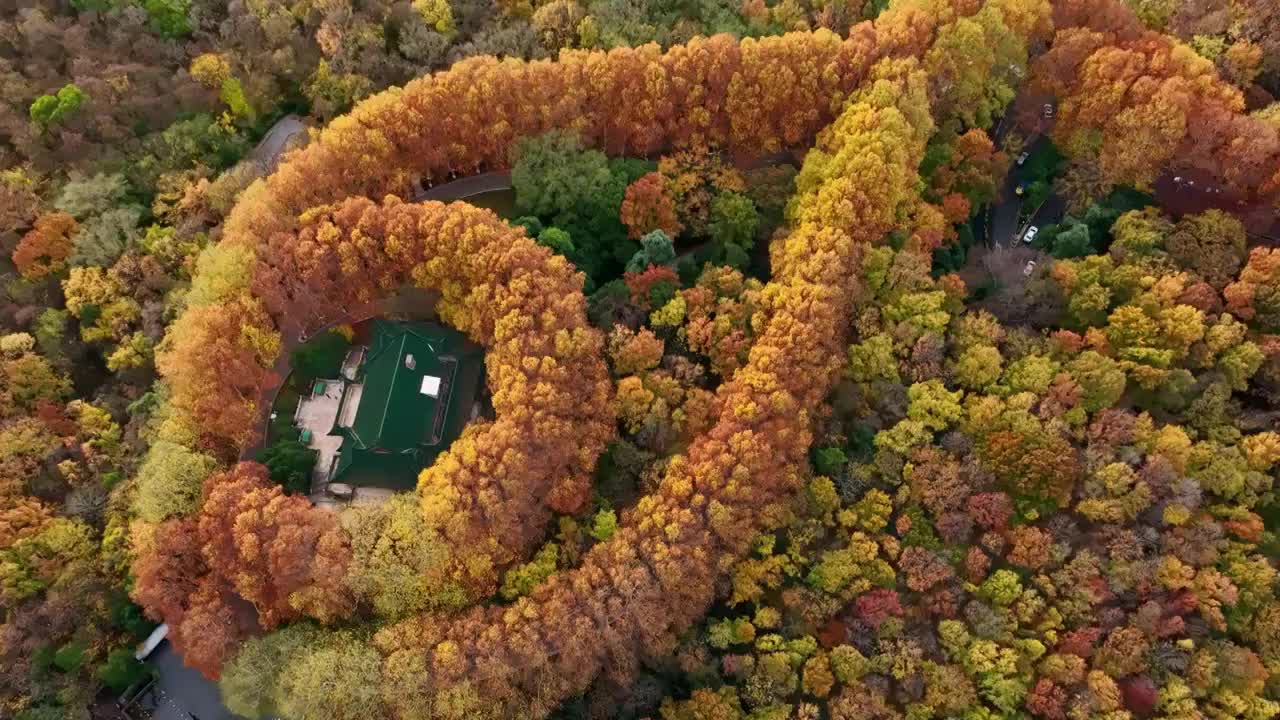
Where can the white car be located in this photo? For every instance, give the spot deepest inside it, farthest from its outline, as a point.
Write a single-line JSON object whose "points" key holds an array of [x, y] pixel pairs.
{"points": [[1048, 110], [1030, 234], [1030, 268], [1023, 157]]}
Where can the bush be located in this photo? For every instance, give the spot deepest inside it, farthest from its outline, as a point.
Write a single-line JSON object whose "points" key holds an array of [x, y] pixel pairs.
{"points": [[734, 220], [170, 480], [556, 239], [656, 249], [122, 670], [532, 225], [128, 617], [168, 17], [248, 681], [70, 657], [290, 462], [42, 660], [52, 109], [830, 461], [1071, 241]]}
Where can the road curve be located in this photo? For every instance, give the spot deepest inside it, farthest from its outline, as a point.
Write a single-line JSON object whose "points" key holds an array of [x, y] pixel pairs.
{"points": [[272, 145], [465, 187]]}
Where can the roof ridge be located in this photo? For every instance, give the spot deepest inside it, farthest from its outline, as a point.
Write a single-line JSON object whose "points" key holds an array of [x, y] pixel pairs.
{"points": [[386, 407]]}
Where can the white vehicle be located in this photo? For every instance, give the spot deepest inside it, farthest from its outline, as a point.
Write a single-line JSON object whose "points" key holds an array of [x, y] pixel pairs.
{"points": [[1030, 234], [148, 646], [1030, 268], [1023, 157], [1048, 110]]}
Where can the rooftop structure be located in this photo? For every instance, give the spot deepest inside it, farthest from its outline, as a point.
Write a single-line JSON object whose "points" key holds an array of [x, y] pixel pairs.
{"points": [[406, 397]]}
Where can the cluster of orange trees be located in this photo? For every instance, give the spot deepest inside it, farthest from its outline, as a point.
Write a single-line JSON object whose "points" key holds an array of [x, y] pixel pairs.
{"points": [[490, 496], [297, 256], [293, 259], [632, 595], [752, 97], [251, 559], [492, 493], [1135, 101]]}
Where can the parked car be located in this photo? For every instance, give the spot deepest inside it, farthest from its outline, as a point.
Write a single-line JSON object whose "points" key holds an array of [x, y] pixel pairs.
{"points": [[1048, 110], [1029, 268], [148, 646], [1021, 188], [1023, 157], [1030, 234]]}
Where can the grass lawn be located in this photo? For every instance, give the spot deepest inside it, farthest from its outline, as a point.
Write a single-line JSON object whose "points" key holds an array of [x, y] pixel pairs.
{"points": [[285, 405]]}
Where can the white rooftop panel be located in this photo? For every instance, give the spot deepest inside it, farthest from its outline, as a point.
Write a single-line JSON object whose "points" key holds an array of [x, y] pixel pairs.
{"points": [[430, 386]]}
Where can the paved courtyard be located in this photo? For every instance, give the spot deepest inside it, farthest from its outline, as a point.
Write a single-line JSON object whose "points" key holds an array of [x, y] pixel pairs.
{"points": [[317, 413]]}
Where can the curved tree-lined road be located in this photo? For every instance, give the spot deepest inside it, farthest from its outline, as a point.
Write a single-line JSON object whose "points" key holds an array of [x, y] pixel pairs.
{"points": [[465, 187], [272, 145], [1004, 228]]}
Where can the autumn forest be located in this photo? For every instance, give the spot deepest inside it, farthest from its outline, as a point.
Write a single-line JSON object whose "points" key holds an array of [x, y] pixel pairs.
{"points": [[842, 360]]}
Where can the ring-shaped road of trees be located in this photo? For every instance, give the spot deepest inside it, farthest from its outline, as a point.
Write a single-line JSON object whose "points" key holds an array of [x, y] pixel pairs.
{"points": [[632, 594], [295, 257]]}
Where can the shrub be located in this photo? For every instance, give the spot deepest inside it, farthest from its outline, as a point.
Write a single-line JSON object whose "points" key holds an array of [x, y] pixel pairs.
{"points": [[121, 670], [70, 657]]}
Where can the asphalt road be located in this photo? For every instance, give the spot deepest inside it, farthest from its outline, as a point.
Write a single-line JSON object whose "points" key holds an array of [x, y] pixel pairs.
{"points": [[1003, 218], [267, 153], [1002, 224], [465, 187], [183, 692]]}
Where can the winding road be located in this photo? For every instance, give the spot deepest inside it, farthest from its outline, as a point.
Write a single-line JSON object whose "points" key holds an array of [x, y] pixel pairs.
{"points": [[272, 145], [465, 187]]}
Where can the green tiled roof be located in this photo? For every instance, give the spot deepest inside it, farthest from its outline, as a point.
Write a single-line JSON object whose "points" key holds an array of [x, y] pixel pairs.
{"points": [[365, 468], [398, 429]]}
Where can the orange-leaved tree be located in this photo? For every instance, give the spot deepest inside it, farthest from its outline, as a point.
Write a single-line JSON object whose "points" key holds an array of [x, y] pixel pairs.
{"points": [[251, 559]]}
